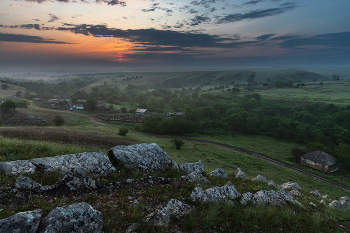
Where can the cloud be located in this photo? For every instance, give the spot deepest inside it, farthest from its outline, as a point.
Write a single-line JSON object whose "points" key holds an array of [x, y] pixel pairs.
{"points": [[255, 14], [26, 38], [198, 20], [155, 37], [108, 2], [205, 3], [264, 37], [53, 18], [339, 40]]}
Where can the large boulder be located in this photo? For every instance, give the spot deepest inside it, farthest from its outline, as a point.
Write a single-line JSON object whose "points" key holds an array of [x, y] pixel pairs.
{"points": [[290, 185], [281, 197], [80, 218], [239, 174], [260, 178], [18, 167], [22, 222], [343, 203], [142, 157], [218, 173], [192, 167], [92, 163], [215, 194], [161, 217]]}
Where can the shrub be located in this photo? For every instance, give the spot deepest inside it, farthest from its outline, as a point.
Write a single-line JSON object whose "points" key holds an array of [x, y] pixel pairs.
{"points": [[8, 105], [297, 153], [58, 121], [178, 143], [123, 131]]}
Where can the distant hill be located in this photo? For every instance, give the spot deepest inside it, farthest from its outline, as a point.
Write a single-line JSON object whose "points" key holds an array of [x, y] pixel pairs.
{"points": [[203, 78]]}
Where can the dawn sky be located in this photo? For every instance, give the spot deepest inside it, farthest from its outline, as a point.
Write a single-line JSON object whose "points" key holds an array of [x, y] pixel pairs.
{"points": [[93, 35]]}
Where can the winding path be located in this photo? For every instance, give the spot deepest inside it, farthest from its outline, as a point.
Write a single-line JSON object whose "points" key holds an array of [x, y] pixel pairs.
{"points": [[335, 184]]}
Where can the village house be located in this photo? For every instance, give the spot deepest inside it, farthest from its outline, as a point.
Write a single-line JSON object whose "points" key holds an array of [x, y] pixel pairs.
{"points": [[66, 98], [141, 112], [320, 160]]}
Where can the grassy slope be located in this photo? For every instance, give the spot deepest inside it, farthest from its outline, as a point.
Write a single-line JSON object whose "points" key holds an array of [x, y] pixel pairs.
{"points": [[10, 91]]}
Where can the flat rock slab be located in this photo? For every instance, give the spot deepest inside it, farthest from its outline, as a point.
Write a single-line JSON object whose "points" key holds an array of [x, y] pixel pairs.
{"points": [[215, 194], [161, 217], [142, 157], [192, 167], [220, 173], [80, 218], [21, 222]]}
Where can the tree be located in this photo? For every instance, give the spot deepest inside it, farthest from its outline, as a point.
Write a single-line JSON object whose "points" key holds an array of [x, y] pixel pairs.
{"points": [[58, 121], [178, 143], [8, 105], [5, 86], [91, 105], [336, 77], [123, 109], [18, 93]]}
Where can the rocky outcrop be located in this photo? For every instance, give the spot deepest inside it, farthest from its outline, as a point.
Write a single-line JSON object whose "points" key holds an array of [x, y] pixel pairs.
{"points": [[19, 118], [73, 218], [239, 174], [323, 202], [316, 193], [92, 163], [194, 177], [260, 178], [218, 173], [192, 167], [290, 185], [18, 167], [142, 157], [215, 194], [161, 217], [326, 196], [21, 222], [343, 203], [281, 197], [295, 192], [273, 184]]}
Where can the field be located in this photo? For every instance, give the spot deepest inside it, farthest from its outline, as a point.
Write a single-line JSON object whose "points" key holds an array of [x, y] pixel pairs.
{"points": [[10, 91]]}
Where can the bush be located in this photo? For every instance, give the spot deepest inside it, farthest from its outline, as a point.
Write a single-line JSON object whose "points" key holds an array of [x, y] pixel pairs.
{"points": [[123, 131], [297, 153], [58, 121], [178, 143], [8, 105]]}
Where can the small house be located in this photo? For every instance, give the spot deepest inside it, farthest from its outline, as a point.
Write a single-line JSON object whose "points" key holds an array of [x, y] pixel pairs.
{"points": [[141, 112], [320, 160]]}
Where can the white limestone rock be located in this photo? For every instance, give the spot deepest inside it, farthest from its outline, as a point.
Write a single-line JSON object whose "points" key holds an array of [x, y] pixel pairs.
{"points": [[343, 203], [260, 178], [23, 182], [239, 174], [215, 194], [18, 167], [194, 177], [142, 157], [316, 193], [22, 222], [73, 218], [192, 167], [161, 217], [291, 185], [220, 173], [295, 192]]}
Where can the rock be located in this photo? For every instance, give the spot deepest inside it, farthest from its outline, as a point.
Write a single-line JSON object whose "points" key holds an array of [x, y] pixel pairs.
{"points": [[73, 183], [239, 174], [17, 167], [134, 203], [290, 185], [161, 216], [73, 218], [343, 203], [21, 222], [145, 157], [260, 178], [215, 194], [92, 163], [281, 197], [218, 173], [273, 184], [313, 204], [194, 177], [323, 202], [132, 228], [26, 183], [192, 167], [326, 196], [316, 193], [295, 192]]}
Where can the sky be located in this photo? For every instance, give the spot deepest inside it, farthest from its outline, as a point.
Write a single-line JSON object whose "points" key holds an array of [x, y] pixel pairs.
{"points": [[117, 35]]}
